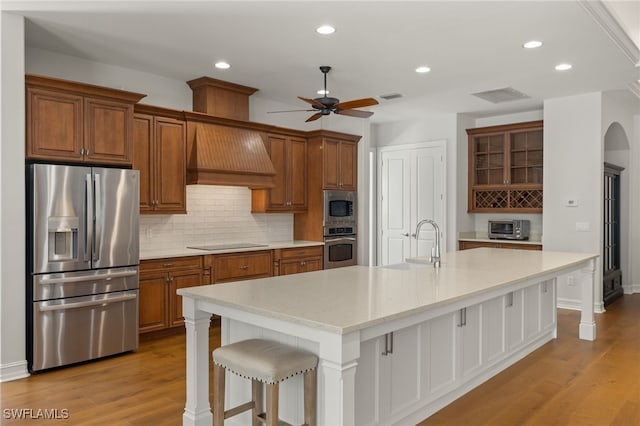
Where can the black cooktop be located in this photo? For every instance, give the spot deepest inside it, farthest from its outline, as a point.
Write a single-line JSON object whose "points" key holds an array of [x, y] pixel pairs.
{"points": [[227, 246]]}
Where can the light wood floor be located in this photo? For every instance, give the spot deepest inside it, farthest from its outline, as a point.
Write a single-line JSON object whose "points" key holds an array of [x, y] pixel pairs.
{"points": [[566, 382]]}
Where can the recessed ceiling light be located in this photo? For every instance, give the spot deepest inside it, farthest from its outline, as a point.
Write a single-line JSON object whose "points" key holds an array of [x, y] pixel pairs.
{"points": [[563, 67], [423, 70], [222, 65], [532, 44], [322, 92], [325, 29]]}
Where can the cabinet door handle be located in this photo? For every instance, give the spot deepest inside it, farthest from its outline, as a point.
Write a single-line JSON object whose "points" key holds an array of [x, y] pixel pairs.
{"points": [[463, 317], [545, 287], [405, 234], [510, 300], [388, 344], [167, 265], [244, 267]]}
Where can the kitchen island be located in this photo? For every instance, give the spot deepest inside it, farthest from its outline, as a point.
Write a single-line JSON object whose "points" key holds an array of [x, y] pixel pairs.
{"points": [[395, 344]]}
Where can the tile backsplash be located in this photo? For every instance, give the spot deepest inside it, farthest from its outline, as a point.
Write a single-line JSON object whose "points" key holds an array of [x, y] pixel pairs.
{"points": [[215, 214]]}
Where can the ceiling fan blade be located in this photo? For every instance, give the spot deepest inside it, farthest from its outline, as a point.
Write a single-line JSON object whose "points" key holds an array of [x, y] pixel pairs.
{"points": [[354, 113], [291, 110], [313, 102], [357, 103], [314, 117]]}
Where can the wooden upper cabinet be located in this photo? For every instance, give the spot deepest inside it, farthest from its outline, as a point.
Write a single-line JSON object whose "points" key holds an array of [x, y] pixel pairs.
{"points": [[79, 123], [107, 131], [54, 125], [505, 168], [289, 157], [340, 165], [159, 152]]}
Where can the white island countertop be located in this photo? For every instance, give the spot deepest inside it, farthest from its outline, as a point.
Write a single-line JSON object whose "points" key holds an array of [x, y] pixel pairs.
{"points": [[353, 298]]}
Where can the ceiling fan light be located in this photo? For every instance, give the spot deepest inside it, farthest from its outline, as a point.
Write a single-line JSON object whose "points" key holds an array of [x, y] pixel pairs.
{"points": [[325, 29], [322, 92], [423, 69], [222, 65]]}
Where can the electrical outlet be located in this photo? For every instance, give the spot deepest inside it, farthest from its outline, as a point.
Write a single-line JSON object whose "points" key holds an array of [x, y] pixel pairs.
{"points": [[149, 232], [570, 280]]}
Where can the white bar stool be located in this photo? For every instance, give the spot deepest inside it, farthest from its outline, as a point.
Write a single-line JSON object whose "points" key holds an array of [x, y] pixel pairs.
{"points": [[263, 362]]}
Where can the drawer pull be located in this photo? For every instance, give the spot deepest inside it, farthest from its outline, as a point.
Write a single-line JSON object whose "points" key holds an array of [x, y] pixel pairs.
{"points": [[244, 267], [167, 265]]}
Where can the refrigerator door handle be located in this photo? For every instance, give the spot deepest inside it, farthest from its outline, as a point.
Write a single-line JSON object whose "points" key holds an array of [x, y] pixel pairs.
{"points": [[85, 278], [88, 217], [88, 303], [97, 234]]}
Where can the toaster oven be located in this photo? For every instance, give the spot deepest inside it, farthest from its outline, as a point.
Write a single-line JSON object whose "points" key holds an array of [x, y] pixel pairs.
{"points": [[512, 229]]}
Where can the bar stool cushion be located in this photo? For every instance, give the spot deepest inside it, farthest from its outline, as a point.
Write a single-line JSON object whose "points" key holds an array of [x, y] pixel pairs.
{"points": [[264, 360]]}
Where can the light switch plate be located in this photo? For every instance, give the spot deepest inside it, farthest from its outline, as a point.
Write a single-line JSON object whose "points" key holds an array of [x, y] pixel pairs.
{"points": [[583, 226]]}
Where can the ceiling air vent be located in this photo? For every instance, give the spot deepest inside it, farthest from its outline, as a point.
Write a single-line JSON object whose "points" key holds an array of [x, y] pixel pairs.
{"points": [[391, 96], [497, 96]]}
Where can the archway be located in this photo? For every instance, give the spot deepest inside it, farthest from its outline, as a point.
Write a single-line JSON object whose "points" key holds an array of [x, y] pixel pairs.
{"points": [[614, 198]]}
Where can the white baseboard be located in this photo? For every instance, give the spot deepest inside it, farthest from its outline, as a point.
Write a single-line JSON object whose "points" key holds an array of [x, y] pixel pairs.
{"points": [[13, 371], [576, 305], [631, 289]]}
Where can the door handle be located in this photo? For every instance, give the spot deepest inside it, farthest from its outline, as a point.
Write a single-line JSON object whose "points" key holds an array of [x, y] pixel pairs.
{"points": [[65, 306], [97, 237]]}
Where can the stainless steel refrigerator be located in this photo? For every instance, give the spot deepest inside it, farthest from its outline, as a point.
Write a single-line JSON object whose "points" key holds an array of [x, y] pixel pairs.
{"points": [[82, 263]]}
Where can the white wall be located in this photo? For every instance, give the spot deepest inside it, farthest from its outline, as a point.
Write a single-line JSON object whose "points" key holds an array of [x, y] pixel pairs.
{"points": [[573, 164], [160, 91], [12, 196]]}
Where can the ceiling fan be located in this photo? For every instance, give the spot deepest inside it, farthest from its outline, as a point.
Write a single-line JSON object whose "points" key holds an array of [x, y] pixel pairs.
{"points": [[326, 105]]}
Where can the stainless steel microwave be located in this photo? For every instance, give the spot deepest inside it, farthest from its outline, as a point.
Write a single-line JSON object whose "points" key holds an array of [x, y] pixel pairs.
{"points": [[339, 208], [512, 229]]}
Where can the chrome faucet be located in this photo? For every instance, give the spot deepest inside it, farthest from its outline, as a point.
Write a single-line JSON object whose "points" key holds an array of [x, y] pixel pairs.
{"points": [[435, 252]]}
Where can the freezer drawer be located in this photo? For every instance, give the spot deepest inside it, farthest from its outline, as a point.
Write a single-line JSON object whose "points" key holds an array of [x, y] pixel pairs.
{"points": [[84, 283], [77, 329]]}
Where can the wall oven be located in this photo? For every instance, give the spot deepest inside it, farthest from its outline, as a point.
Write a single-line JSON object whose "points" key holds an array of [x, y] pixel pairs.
{"points": [[340, 247], [340, 208]]}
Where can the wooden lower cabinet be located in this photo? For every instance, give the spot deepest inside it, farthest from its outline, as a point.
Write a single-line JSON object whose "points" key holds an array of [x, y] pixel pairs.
{"points": [[297, 260], [240, 266], [160, 308], [159, 305], [464, 245]]}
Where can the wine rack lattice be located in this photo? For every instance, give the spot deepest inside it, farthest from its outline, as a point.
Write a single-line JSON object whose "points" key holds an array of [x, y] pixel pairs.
{"points": [[491, 199], [508, 199]]}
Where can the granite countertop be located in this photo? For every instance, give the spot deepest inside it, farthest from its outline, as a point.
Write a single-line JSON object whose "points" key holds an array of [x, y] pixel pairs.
{"points": [[484, 237], [183, 251], [348, 299]]}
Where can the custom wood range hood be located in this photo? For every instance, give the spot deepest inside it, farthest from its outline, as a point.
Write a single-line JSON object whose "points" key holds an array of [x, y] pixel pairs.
{"points": [[223, 147]]}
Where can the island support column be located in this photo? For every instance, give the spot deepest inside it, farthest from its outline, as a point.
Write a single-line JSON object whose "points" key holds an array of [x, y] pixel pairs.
{"points": [[197, 410], [337, 379], [587, 322]]}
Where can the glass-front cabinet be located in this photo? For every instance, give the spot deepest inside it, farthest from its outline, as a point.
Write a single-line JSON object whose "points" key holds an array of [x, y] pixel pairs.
{"points": [[505, 168]]}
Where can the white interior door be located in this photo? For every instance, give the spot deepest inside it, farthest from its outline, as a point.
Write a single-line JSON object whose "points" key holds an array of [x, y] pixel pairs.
{"points": [[395, 207], [411, 189], [427, 198]]}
